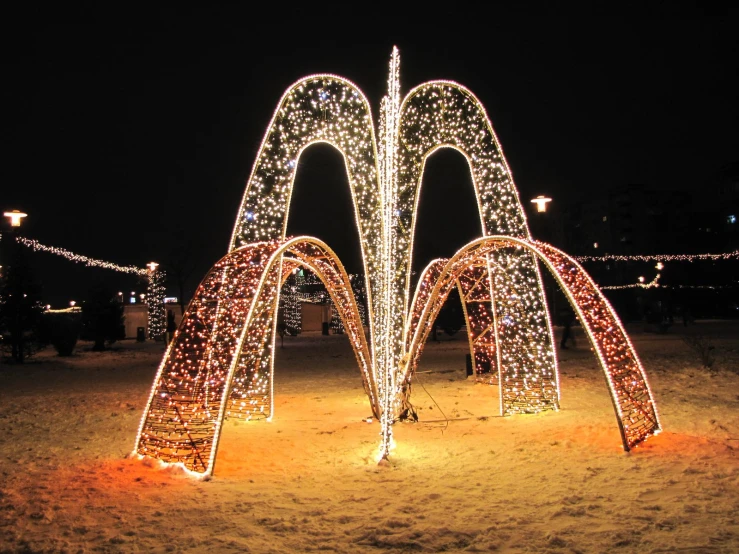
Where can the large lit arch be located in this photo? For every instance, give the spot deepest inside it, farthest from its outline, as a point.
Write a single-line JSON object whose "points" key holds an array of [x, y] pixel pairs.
{"points": [[636, 412], [442, 114], [220, 361], [320, 108]]}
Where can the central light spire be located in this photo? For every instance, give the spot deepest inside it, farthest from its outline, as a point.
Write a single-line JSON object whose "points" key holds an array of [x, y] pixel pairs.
{"points": [[386, 357]]}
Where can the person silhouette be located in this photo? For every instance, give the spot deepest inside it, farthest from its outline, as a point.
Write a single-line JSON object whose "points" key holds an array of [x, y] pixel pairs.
{"points": [[567, 318], [171, 325]]}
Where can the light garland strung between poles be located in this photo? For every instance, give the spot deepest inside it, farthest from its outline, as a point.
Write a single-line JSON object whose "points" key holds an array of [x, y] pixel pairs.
{"points": [[658, 257], [78, 258], [155, 279]]}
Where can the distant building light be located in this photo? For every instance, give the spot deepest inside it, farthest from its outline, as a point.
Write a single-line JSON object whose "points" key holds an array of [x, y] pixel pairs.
{"points": [[660, 265], [731, 219], [595, 245], [171, 300]]}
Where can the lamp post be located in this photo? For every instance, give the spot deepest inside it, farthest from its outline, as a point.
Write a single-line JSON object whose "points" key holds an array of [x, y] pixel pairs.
{"points": [[541, 202], [16, 291], [541, 221], [15, 217], [543, 229]]}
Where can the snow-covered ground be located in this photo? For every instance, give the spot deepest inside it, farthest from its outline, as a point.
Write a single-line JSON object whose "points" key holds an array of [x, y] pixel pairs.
{"points": [[462, 479]]}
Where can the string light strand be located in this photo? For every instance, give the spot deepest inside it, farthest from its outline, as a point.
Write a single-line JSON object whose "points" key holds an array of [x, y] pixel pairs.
{"points": [[659, 257], [36, 246]]}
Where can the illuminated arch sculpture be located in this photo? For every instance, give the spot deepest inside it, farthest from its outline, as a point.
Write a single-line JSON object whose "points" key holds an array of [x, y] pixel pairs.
{"points": [[628, 386], [502, 289], [219, 362]]}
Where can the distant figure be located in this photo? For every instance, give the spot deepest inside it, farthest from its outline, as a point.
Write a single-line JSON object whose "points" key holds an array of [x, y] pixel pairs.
{"points": [[171, 325], [567, 318]]}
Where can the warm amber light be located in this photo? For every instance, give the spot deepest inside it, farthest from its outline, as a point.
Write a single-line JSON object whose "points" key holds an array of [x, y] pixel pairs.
{"points": [[15, 217], [152, 266], [541, 202]]}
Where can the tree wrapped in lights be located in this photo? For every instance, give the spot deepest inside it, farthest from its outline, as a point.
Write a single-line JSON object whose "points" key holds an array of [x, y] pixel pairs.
{"points": [[155, 293], [220, 361]]}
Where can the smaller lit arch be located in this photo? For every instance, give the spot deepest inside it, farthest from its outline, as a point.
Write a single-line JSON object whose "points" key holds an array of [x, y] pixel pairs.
{"points": [[629, 389], [218, 364]]}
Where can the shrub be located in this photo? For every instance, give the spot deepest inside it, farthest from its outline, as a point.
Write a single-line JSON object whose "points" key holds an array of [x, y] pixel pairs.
{"points": [[703, 347], [61, 331]]}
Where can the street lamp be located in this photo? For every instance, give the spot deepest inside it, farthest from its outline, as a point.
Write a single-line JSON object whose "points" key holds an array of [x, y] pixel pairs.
{"points": [[15, 217], [541, 202], [152, 266]]}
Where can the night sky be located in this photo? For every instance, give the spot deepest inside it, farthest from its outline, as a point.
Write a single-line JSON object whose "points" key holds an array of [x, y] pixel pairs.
{"points": [[129, 136]]}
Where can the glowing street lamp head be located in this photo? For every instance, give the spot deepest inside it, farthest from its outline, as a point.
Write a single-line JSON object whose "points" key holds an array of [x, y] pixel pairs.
{"points": [[152, 266], [541, 202], [15, 217]]}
